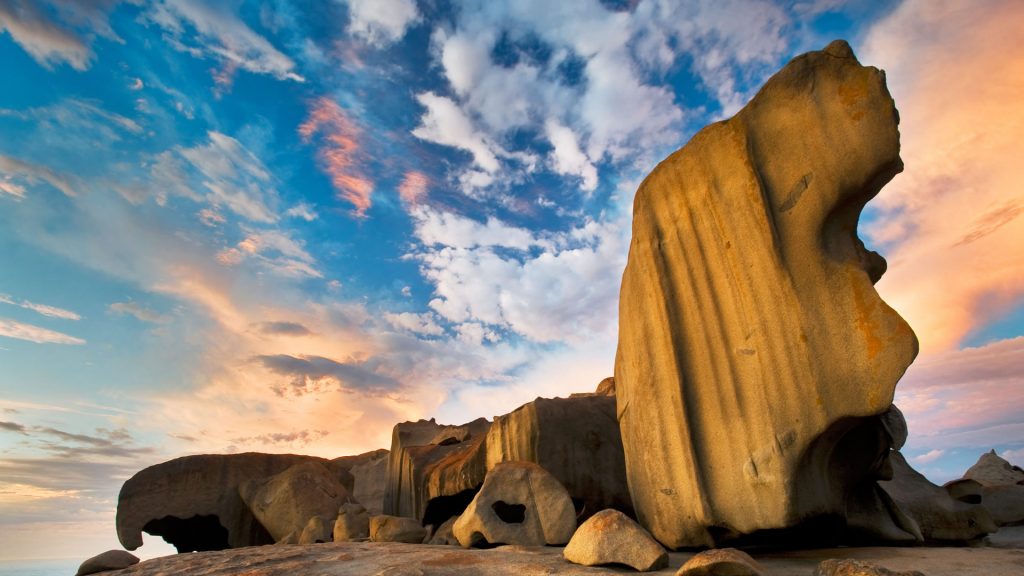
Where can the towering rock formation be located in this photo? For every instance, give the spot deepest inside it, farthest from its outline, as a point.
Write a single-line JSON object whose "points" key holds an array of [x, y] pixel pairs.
{"points": [[754, 354]]}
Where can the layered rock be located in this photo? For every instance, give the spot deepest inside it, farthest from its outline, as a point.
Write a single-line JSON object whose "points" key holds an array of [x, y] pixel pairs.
{"points": [[285, 503], [753, 347], [519, 503], [193, 502]]}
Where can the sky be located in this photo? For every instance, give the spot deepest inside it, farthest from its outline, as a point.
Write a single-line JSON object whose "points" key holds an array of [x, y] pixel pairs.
{"points": [[287, 225]]}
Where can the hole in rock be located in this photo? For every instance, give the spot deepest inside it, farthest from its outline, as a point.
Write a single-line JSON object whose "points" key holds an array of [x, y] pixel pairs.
{"points": [[510, 513], [970, 498], [444, 507], [579, 505], [195, 534]]}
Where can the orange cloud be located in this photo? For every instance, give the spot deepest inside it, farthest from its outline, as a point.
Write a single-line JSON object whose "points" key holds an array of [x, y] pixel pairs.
{"points": [[951, 224], [338, 151], [413, 187]]}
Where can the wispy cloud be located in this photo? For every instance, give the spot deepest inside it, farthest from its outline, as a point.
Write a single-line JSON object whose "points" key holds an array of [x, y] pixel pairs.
{"points": [[12, 168], [221, 35], [282, 328], [32, 26], [929, 456], [381, 22], [138, 312], [413, 188], [339, 151], [233, 176], [308, 373], [37, 334], [45, 310]]}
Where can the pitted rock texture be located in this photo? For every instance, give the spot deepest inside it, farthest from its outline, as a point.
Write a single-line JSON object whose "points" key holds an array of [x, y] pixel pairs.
{"points": [[835, 567], [285, 502], [611, 537], [519, 503], [174, 497], [752, 343]]}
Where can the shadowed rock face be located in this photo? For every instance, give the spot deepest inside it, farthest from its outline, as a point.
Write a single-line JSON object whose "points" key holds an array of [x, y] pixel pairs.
{"points": [[755, 355]]}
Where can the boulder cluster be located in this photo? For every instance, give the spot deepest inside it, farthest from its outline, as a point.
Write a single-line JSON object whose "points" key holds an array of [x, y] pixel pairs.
{"points": [[751, 403]]}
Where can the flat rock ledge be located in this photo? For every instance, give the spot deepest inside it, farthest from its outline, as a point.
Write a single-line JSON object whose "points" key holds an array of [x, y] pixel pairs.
{"points": [[395, 559]]}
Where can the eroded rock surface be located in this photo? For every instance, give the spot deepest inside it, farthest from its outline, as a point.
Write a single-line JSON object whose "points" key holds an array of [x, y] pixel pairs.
{"points": [[285, 502], [992, 470], [386, 528], [836, 567], [611, 537], [352, 523], [752, 343], [193, 502], [109, 560], [519, 503]]}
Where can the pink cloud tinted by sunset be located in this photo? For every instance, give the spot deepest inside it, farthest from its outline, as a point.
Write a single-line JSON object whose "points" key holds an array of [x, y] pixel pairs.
{"points": [[413, 187], [338, 152]]}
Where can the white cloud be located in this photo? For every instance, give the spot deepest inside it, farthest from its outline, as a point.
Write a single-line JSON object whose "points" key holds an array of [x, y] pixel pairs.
{"points": [[929, 456], [416, 323], [274, 249], [37, 334], [381, 22], [302, 210], [45, 310], [440, 228], [233, 176], [567, 158], [12, 168], [1015, 457], [446, 124], [7, 186], [44, 40], [223, 36]]}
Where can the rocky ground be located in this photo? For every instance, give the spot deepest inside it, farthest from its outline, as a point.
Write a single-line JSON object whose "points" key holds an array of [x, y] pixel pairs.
{"points": [[395, 559]]}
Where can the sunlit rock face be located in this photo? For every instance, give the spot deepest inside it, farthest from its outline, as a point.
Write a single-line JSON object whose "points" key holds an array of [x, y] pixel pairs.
{"points": [[754, 352]]}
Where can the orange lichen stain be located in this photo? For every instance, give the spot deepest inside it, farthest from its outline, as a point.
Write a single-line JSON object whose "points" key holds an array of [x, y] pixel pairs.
{"points": [[865, 307], [852, 93]]}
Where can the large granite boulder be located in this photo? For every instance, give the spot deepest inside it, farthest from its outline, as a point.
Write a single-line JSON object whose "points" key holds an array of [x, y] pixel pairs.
{"points": [[940, 518], [1000, 488], [369, 478], [193, 502], [285, 503], [519, 503], [575, 439], [352, 523], [109, 560], [386, 528], [991, 470], [753, 347]]}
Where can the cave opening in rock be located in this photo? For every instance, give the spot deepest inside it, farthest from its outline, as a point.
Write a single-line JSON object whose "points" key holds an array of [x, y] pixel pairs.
{"points": [[510, 513], [444, 507], [195, 534]]}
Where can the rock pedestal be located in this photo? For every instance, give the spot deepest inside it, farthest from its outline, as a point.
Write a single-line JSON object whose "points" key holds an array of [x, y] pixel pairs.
{"points": [[753, 347]]}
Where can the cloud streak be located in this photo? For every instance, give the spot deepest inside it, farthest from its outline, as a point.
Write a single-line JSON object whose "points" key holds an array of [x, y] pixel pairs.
{"points": [[13, 168], [32, 333], [339, 152], [45, 310]]}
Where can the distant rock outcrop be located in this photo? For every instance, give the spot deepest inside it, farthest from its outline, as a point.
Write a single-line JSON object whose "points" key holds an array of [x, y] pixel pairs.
{"points": [[1001, 488], [755, 356], [193, 502]]}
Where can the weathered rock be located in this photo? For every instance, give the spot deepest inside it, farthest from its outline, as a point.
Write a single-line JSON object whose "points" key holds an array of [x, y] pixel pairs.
{"points": [[386, 528], [577, 440], [369, 478], [991, 470], [193, 501], [290, 538], [352, 523], [519, 503], [939, 517], [434, 470], [611, 537], [285, 502], [444, 536], [1005, 504], [721, 562], [109, 560], [605, 387], [964, 490], [835, 567], [317, 531], [752, 342]]}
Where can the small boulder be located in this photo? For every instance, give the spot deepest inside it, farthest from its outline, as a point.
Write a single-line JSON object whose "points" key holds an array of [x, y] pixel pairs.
{"points": [[317, 531], [285, 502], [835, 567], [611, 537], [386, 528], [353, 523], [519, 503], [109, 560], [721, 562], [444, 536]]}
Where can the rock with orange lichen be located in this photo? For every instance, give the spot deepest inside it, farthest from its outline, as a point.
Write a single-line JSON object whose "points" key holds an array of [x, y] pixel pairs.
{"points": [[611, 537], [755, 356]]}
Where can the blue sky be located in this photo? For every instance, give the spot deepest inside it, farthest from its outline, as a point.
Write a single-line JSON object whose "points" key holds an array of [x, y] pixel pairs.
{"points": [[284, 226]]}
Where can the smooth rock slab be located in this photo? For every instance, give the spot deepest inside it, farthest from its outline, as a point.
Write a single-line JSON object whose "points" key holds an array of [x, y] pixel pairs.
{"points": [[536, 507], [109, 560], [752, 342], [855, 568], [721, 562], [611, 537]]}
